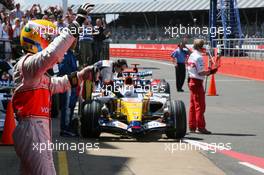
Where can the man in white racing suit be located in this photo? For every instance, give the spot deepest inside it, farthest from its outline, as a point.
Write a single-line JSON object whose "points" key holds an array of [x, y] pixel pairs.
{"points": [[34, 87]]}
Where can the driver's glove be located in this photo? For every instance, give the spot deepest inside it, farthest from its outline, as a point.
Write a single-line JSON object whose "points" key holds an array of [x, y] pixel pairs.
{"points": [[82, 13]]}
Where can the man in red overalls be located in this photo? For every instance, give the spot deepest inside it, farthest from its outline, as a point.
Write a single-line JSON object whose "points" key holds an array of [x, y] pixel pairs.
{"points": [[197, 74], [34, 87]]}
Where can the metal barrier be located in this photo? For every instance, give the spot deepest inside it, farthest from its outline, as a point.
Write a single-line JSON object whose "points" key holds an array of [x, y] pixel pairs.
{"points": [[252, 48], [5, 49]]}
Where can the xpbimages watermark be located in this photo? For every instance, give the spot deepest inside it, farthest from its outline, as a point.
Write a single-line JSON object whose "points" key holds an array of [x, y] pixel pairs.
{"points": [[116, 88], [50, 30], [183, 146], [175, 31], [59, 146]]}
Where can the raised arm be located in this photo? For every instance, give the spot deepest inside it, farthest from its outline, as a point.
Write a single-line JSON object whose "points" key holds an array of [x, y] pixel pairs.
{"points": [[40, 62]]}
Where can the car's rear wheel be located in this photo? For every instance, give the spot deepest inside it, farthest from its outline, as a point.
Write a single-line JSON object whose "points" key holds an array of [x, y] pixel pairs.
{"points": [[176, 122], [89, 119]]}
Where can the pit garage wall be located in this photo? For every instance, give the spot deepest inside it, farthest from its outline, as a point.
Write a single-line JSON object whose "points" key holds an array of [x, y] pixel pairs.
{"points": [[234, 66]]}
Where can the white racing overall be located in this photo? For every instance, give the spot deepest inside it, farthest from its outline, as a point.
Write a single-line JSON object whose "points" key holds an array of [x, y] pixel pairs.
{"points": [[32, 105]]}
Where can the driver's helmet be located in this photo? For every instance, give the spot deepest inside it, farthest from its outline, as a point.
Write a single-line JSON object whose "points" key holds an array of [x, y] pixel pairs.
{"points": [[37, 34]]}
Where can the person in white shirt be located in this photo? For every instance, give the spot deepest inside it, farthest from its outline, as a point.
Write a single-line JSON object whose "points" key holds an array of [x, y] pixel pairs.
{"points": [[1, 30], [16, 29], [4, 36], [17, 13], [23, 21], [197, 73]]}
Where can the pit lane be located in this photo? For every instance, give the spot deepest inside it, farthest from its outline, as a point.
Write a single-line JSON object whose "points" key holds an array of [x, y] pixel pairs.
{"points": [[235, 116]]}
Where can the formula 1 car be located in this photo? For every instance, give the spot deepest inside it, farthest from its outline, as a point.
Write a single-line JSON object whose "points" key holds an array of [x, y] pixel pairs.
{"points": [[133, 105], [6, 86], [5, 97]]}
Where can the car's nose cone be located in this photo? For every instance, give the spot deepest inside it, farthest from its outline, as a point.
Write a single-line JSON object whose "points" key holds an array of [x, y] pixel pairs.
{"points": [[136, 127]]}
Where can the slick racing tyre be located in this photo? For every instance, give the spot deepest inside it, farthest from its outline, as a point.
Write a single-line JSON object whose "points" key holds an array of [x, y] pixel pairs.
{"points": [[89, 119], [176, 122]]}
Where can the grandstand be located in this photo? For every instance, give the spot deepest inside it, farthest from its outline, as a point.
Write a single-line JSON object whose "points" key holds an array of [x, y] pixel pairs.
{"points": [[144, 21]]}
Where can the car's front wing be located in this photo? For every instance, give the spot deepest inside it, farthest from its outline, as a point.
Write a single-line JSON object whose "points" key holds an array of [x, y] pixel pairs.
{"points": [[115, 125]]}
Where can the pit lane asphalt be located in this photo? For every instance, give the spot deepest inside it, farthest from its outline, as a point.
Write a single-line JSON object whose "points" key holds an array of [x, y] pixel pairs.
{"points": [[236, 116]]}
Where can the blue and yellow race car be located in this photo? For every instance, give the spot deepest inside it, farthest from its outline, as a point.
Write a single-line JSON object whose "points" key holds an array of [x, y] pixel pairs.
{"points": [[134, 105]]}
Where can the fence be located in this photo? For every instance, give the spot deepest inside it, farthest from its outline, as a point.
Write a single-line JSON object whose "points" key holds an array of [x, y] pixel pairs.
{"points": [[252, 48], [5, 48]]}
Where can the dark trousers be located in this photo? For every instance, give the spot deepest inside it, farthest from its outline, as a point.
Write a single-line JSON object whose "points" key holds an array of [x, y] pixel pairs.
{"points": [[180, 72], [64, 107], [67, 104], [97, 51], [86, 53]]}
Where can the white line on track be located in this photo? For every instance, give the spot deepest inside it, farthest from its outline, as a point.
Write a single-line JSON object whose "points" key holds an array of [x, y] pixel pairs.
{"points": [[221, 80], [233, 80], [196, 144], [207, 147], [252, 166]]}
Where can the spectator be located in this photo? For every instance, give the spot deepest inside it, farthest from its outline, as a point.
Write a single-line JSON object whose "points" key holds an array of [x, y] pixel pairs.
{"points": [[24, 21], [1, 31], [6, 44], [16, 30], [51, 10], [7, 27], [8, 3], [68, 19], [36, 11], [52, 18], [99, 37], [27, 15], [69, 11], [11, 19], [5, 76], [4, 36], [16, 48], [57, 11], [17, 13], [86, 41], [68, 99], [6, 70], [60, 23], [2, 15], [45, 17]]}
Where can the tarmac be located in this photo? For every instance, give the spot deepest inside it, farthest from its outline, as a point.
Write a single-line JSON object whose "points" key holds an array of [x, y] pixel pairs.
{"points": [[236, 116]]}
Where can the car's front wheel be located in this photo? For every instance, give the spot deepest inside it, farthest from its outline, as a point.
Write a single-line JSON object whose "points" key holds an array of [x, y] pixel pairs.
{"points": [[89, 119], [176, 122]]}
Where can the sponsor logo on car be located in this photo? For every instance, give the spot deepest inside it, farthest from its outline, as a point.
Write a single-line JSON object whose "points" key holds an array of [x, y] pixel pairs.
{"points": [[153, 124]]}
